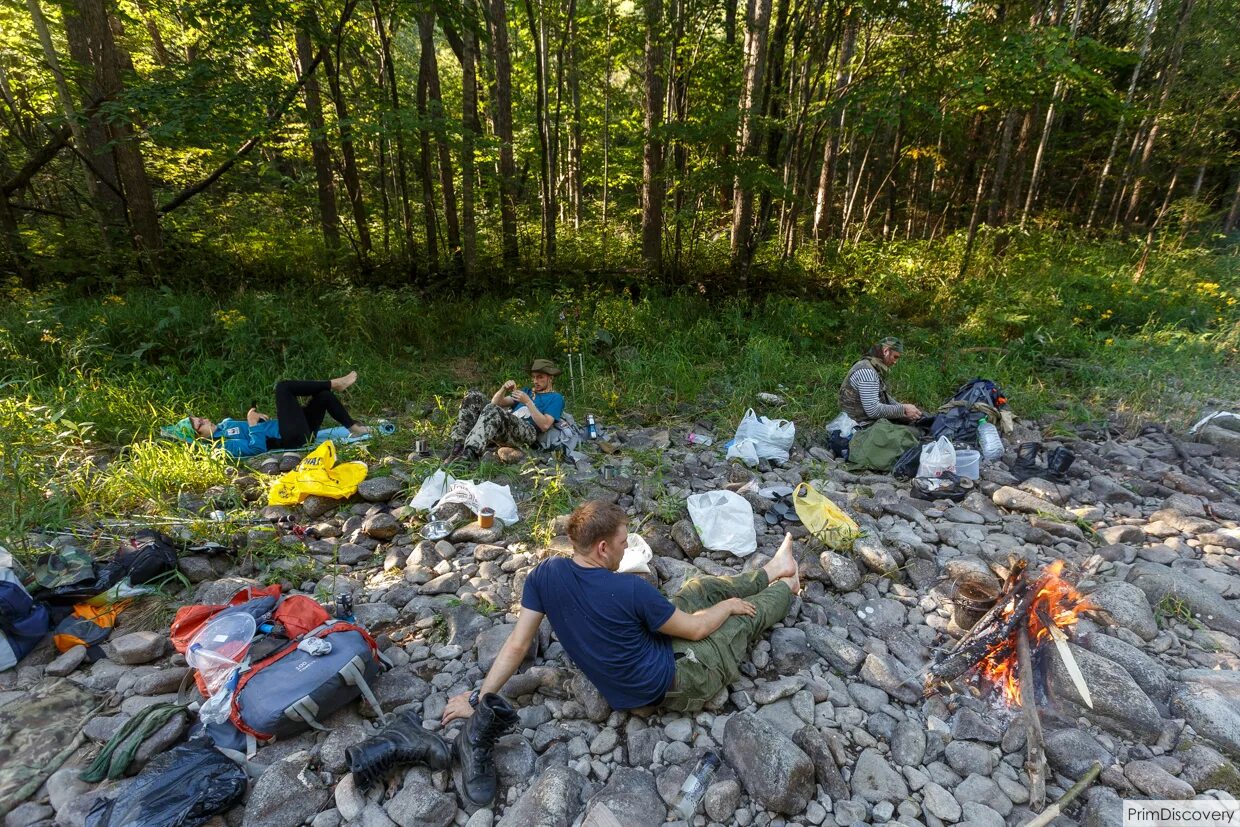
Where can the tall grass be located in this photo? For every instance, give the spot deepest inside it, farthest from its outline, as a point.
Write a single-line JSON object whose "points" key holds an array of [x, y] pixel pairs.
{"points": [[1061, 324]]}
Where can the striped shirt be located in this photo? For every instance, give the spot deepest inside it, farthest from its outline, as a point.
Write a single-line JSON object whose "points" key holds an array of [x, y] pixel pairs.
{"points": [[867, 383]]}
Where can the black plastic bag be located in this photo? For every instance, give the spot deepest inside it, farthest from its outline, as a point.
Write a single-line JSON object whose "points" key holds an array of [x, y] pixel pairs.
{"points": [[150, 555], [183, 787], [908, 464]]}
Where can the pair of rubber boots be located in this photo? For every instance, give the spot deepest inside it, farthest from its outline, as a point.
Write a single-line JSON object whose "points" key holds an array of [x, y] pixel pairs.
{"points": [[1058, 461], [404, 741]]}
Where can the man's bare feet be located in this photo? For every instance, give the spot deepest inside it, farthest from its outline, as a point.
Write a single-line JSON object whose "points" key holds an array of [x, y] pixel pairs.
{"points": [[343, 382], [783, 564], [358, 430], [793, 582]]}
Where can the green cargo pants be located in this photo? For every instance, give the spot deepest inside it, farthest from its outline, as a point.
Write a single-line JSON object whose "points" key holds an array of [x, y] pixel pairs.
{"points": [[703, 667]]}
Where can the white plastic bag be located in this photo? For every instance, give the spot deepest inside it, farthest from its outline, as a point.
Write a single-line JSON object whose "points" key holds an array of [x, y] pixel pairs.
{"points": [[745, 450], [937, 457], [636, 557], [771, 437], [843, 423], [433, 487], [724, 521]]}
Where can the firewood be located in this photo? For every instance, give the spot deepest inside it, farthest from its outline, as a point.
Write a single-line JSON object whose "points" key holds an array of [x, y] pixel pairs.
{"points": [[1035, 743]]}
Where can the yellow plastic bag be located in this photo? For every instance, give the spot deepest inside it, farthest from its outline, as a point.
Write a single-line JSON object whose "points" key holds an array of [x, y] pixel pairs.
{"points": [[318, 475], [823, 518]]}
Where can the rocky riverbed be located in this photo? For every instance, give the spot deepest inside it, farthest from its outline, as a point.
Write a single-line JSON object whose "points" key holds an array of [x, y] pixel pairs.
{"points": [[827, 725]]}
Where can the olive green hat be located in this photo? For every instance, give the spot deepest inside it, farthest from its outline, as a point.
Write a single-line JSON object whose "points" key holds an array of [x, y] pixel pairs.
{"points": [[544, 366], [891, 342]]}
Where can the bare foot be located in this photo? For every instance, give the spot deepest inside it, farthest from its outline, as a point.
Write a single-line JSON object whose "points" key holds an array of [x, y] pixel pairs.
{"points": [[359, 430], [783, 564], [793, 582], [343, 382]]}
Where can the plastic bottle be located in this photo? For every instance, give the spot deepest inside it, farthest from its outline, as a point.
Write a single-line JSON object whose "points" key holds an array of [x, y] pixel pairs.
{"points": [[700, 439], [988, 440], [694, 788], [591, 427]]}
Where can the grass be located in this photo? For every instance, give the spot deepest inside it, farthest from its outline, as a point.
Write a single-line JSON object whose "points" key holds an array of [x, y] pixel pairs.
{"points": [[1059, 322]]}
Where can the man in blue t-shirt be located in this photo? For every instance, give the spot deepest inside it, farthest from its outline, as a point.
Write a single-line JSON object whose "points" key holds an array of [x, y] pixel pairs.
{"points": [[514, 416], [636, 646]]}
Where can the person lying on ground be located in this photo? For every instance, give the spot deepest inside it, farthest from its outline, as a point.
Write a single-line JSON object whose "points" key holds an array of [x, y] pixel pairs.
{"points": [[514, 416], [294, 425], [637, 647], [863, 393]]}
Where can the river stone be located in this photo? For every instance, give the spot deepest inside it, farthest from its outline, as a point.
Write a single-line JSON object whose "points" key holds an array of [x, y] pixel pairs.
{"points": [[1207, 607], [685, 535], [908, 743], [790, 651], [842, 571], [553, 800], [418, 802], [1150, 778], [1212, 714], [286, 794], [874, 555], [982, 790], [1072, 751], [632, 797], [940, 803], [381, 526], [1118, 701], [1013, 499], [137, 647], [1147, 672], [838, 651], [315, 506], [1128, 605], [773, 770], [379, 489], [876, 780], [722, 799], [827, 772]]}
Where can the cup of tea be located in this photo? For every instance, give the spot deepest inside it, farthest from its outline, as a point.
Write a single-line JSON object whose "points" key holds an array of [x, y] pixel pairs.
{"points": [[486, 518]]}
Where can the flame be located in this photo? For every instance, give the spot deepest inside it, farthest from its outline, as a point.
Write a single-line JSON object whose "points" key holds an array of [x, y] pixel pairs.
{"points": [[1057, 600]]}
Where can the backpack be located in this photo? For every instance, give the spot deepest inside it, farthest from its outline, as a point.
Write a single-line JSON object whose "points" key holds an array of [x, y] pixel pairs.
{"points": [[286, 690], [149, 556], [23, 621], [958, 419], [88, 626]]}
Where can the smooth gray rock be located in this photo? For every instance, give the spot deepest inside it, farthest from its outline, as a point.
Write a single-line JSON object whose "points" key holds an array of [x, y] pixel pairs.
{"points": [[1147, 672], [1207, 606], [315, 506], [381, 526], [419, 802], [1119, 703], [773, 769], [632, 797], [514, 760], [969, 725], [1109, 491], [841, 570], [874, 555], [380, 489], [969, 758], [1128, 605], [1150, 778], [940, 803], [1214, 715], [138, 647], [286, 794], [875, 780], [790, 652], [908, 743], [553, 800], [826, 771], [1014, 499], [722, 799], [1072, 751], [838, 651], [982, 790], [66, 662]]}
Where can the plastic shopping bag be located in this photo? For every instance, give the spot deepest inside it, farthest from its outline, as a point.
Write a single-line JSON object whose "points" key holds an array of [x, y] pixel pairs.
{"points": [[432, 489], [843, 423], [746, 450], [724, 521], [823, 518], [477, 496], [318, 475], [937, 457], [772, 437], [636, 557]]}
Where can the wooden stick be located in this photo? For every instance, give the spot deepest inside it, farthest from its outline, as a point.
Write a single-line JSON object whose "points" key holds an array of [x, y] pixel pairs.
{"points": [[1053, 812], [1035, 743]]}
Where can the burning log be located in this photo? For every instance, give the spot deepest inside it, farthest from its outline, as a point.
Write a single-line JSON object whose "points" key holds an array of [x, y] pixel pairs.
{"points": [[1035, 742]]}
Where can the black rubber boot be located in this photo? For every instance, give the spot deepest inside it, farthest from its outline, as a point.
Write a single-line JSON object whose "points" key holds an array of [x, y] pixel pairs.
{"points": [[474, 771], [454, 453], [1058, 461], [1026, 464], [403, 741]]}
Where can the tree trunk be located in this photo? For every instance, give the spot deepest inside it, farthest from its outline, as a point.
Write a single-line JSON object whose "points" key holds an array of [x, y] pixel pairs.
{"points": [[502, 60], [152, 29], [469, 128], [995, 211], [402, 177], [575, 187], [652, 152], [757, 26], [321, 155], [546, 152], [429, 219], [1164, 93], [352, 178], [826, 180], [447, 187], [1123, 114], [93, 34]]}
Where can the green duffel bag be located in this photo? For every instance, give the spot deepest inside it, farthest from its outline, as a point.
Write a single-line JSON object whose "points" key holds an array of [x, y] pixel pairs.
{"points": [[878, 446]]}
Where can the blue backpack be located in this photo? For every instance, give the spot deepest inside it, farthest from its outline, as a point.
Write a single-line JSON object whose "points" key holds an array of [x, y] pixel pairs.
{"points": [[23, 622]]}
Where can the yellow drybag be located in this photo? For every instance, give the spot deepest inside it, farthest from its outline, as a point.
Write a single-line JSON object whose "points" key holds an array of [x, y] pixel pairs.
{"points": [[318, 475], [823, 518]]}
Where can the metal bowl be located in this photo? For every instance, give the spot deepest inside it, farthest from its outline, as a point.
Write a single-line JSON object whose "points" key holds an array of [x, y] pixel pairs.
{"points": [[436, 530]]}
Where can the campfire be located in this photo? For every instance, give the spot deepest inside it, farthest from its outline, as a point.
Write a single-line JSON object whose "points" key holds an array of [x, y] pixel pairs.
{"points": [[1031, 616]]}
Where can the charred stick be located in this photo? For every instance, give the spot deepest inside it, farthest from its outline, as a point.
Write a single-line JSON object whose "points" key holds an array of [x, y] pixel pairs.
{"points": [[959, 661], [1035, 743]]}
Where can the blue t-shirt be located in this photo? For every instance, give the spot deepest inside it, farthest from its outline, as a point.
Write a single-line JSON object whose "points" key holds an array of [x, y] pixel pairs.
{"points": [[550, 403], [607, 623]]}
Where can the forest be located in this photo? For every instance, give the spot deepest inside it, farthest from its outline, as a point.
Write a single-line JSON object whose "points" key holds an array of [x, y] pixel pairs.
{"points": [[480, 144]]}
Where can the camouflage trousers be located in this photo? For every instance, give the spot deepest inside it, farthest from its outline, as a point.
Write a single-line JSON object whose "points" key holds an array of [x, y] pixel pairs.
{"points": [[703, 667], [481, 423]]}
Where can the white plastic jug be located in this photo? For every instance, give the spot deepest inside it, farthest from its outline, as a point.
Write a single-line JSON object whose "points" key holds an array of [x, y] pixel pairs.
{"points": [[988, 440]]}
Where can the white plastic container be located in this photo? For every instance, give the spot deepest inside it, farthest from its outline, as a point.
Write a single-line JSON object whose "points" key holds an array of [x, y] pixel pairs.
{"points": [[968, 463], [220, 647]]}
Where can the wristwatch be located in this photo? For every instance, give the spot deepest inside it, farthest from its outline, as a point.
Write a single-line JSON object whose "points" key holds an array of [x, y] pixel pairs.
{"points": [[473, 698]]}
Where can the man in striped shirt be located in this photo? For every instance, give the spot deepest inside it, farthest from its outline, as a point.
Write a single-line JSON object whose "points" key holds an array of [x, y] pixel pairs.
{"points": [[863, 393]]}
